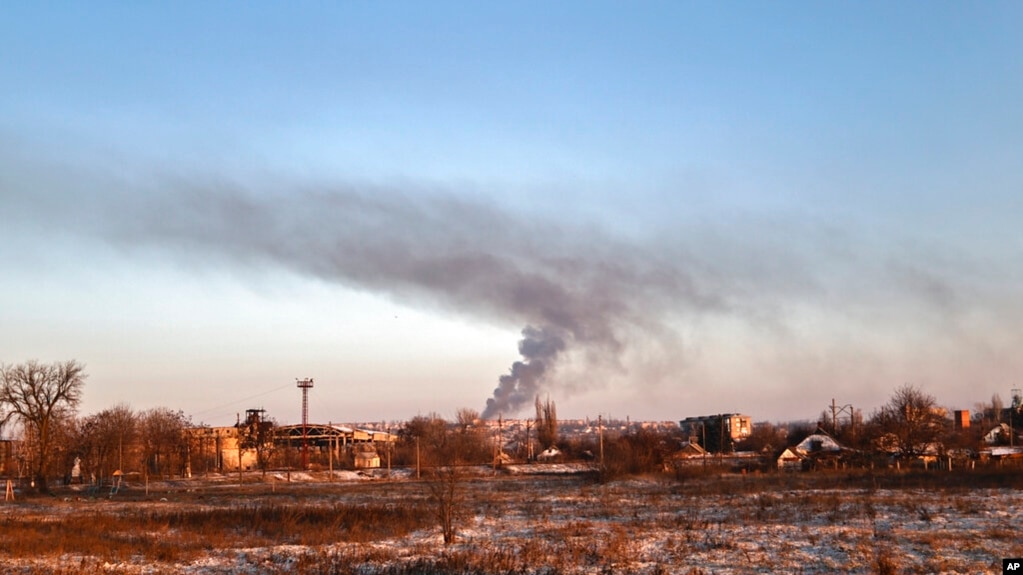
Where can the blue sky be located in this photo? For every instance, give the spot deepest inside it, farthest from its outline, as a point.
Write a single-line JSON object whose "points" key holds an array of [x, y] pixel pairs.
{"points": [[700, 207]]}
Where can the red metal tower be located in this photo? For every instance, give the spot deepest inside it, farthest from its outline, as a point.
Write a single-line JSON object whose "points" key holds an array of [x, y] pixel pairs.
{"points": [[305, 385]]}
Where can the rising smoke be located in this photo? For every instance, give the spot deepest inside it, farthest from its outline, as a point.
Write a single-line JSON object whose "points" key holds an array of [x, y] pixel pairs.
{"points": [[539, 349], [589, 299], [578, 291]]}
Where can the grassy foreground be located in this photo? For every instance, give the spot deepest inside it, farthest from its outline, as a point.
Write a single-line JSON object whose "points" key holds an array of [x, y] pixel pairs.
{"points": [[776, 523]]}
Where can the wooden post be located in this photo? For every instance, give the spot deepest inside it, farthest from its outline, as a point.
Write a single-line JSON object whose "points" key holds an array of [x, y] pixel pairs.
{"points": [[529, 441], [495, 455], [9, 496]]}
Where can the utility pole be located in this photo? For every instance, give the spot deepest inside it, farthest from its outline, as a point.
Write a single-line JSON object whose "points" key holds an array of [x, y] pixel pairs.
{"points": [[1017, 401], [836, 410], [497, 442], [721, 433], [703, 430], [600, 434], [529, 440]]}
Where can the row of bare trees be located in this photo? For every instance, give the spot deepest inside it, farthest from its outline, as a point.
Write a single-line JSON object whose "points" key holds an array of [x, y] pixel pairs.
{"points": [[152, 442], [39, 402], [908, 425]]}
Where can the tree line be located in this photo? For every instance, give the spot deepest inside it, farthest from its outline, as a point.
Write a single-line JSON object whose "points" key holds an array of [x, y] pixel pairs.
{"points": [[56, 443], [43, 399]]}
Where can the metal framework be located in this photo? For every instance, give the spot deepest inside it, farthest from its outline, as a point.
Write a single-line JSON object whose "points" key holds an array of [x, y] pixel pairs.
{"points": [[319, 435], [305, 385]]}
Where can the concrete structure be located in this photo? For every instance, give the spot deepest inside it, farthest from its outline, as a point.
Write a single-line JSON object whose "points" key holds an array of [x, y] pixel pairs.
{"points": [[366, 457], [8, 467], [219, 448], [727, 427], [223, 449], [961, 419]]}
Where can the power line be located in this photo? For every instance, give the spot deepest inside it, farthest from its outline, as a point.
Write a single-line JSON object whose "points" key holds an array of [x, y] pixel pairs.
{"points": [[242, 400]]}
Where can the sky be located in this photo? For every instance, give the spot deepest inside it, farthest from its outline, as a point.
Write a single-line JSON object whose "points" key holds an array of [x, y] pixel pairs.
{"points": [[652, 211]]}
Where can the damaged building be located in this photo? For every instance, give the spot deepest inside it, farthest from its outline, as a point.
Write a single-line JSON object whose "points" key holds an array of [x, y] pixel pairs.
{"points": [[255, 443]]}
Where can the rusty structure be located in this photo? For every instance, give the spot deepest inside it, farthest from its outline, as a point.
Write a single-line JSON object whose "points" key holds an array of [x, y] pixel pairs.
{"points": [[305, 385]]}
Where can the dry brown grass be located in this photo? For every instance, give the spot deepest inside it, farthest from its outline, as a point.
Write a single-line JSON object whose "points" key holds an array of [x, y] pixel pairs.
{"points": [[885, 562], [176, 533], [818, 523]]}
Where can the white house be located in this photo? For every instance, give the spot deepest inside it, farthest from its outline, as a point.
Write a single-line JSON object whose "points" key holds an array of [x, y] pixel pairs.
{"points": [[818, 443], [790, 460]]}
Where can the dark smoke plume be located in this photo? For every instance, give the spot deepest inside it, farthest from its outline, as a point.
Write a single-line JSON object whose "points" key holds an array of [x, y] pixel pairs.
{"points": [[587, 293], [598, 301], [539, 349]]}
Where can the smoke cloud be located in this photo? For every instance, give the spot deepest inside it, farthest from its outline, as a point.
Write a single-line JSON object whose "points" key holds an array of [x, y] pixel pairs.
{"points": [[577, 289], [590, 299], [539, 349]]}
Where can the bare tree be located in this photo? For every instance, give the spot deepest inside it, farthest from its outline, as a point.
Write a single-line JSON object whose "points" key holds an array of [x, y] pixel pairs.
{"points": [[108, 439], [911, 421], [447, 493], [38, 395], [637, 451], [997, 408], [429, 429], [164, 441], [546, 423], [765, 436], [444, 452], [466, 418], [415, 433], [474, 444]]}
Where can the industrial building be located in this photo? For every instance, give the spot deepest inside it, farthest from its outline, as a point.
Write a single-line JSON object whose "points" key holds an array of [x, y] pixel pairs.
{"points": [[242, 446]]}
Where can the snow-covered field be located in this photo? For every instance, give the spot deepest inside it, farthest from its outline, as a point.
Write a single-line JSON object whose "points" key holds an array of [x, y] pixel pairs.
{"points": [[560, 522]]}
